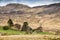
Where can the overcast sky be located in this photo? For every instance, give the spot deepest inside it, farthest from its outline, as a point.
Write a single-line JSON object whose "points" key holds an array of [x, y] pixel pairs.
{"points": [[29, 2]]}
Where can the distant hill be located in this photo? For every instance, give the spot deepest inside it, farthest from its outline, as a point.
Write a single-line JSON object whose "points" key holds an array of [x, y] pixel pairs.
{"points": [[47, 16]]}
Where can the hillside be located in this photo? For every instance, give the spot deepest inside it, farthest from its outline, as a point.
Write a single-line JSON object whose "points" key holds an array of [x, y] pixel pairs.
{"points": [[47, 16]]}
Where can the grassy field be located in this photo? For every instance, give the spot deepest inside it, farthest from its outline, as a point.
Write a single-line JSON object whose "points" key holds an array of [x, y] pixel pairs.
{"points": [[19, 35], [11, 32], [15, 32]]}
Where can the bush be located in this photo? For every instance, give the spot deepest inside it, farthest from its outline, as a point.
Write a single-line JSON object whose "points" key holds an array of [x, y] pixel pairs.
{"points": [[29, 30], [39, 29], [17, 26], [25, 26], [10, 22], [5, 28]]}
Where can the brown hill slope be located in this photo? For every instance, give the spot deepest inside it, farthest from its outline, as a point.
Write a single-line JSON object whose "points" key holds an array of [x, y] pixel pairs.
{"points": [[47, 16]]}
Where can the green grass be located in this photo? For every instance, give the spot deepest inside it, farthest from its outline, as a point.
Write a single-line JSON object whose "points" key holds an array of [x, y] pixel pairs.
{"points": [[14, 32], [44, 33], [11, 32]]}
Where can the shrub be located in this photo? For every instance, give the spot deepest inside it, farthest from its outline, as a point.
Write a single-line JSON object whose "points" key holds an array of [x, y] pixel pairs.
{"points": [[25, 26], [29, 30], [5, 28], [10, 22], [39, 29], [17, 26]]}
